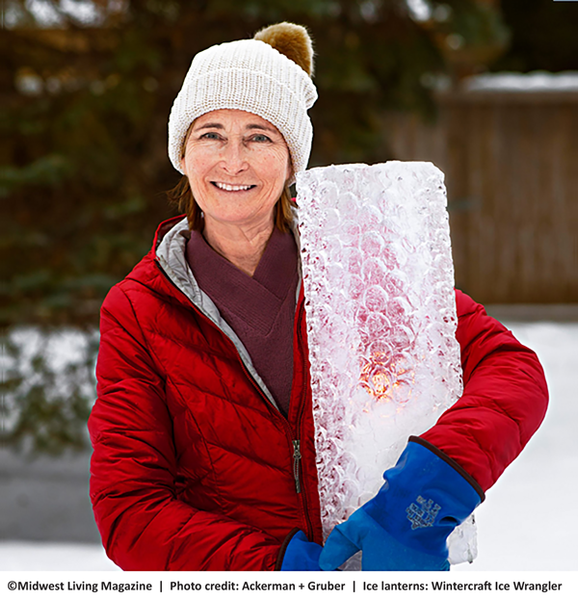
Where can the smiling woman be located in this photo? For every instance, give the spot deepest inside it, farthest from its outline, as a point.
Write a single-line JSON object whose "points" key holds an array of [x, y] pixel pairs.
{"points": [[203, 434]]}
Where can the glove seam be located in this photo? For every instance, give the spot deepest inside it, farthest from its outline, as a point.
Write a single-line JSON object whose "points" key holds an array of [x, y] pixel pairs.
{"points": [[286, 541], [451, 462]]}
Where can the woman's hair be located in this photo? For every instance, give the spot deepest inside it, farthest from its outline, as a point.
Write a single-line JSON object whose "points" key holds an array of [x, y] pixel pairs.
{"points": [[182, 196]]}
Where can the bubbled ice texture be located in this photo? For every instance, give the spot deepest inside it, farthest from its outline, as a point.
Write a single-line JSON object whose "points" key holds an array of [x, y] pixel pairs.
{"points": [[378, 278]]}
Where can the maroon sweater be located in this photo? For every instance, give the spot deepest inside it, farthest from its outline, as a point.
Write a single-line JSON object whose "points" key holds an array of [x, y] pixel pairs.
{"points": [[259, 309]]}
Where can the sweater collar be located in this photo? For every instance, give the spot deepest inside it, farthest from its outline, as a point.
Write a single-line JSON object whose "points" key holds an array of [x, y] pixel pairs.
{"points": [[255, 300]]}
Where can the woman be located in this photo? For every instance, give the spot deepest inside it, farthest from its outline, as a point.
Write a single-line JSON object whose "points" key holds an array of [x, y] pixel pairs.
{"points": [[204, 455]]}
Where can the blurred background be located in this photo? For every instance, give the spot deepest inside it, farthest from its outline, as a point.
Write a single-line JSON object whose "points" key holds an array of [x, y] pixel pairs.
{"points": [[485, 89]]}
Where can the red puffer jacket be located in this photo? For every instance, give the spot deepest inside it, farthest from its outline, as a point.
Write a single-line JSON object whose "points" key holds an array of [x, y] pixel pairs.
{"points": [[195, 468]]}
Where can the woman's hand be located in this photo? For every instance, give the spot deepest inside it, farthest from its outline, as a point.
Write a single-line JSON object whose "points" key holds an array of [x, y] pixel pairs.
{"points": [[406, 525], [298, 553]]}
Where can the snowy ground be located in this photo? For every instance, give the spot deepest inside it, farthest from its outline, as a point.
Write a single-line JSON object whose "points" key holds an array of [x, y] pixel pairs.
{"points": [[45, 556], [528, 522]]}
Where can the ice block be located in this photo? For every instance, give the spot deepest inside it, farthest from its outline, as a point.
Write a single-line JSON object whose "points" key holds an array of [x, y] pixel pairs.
{"points": [[378, 279]]}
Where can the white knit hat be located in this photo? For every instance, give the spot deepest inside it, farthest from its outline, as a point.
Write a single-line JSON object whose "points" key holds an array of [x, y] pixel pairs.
{"points": [[247, 75]]}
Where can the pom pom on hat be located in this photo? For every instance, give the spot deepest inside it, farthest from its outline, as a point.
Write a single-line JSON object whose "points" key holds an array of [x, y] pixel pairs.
{"points": [[291, 40], [268, 75]]}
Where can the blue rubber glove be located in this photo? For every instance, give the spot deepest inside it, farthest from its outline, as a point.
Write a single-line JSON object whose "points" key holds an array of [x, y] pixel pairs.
{"points": [[406, 525], [300, 554]]}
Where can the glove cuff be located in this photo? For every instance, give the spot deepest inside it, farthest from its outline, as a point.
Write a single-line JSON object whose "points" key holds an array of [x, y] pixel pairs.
{"points": [[282, 550], [451, 462], [298, 553]]}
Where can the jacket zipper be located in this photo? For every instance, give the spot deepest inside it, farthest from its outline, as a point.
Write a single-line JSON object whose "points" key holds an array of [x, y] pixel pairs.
{"points": [[296, 460]]}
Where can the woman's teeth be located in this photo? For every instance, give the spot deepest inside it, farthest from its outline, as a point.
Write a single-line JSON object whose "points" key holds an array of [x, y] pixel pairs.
{"points": [[232, 188]]}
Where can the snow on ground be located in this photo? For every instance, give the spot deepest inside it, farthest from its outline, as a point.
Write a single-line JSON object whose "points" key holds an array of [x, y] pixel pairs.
{"points": [[44, 556], [527, 522]]}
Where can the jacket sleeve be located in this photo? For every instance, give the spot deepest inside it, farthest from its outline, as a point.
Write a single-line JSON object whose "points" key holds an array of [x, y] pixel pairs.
{"points": [[144, 526], [504, 399]]}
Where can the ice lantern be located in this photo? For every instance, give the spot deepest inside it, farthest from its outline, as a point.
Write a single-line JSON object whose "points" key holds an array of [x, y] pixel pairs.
{"points": [[381, 317]]}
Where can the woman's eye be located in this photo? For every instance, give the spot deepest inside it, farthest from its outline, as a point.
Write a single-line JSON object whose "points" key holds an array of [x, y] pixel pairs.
{"points": [[260, 138], [210, 135]]}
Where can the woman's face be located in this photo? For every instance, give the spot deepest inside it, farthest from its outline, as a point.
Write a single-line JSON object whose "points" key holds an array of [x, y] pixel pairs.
{"points": [[237, 164]]}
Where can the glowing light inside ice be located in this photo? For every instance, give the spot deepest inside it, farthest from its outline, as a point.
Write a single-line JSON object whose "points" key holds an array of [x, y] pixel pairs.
{"points": [[385, 364]]}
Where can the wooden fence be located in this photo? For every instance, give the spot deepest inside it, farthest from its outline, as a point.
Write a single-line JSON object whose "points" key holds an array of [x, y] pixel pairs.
{"points": [[511, 166]]}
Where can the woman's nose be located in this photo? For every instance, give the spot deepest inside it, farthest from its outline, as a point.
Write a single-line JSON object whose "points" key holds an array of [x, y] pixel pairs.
{"points": [[234, 157]]}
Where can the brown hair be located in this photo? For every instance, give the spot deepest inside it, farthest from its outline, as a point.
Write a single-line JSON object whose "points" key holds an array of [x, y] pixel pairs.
{"points": [[182, 196]]}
